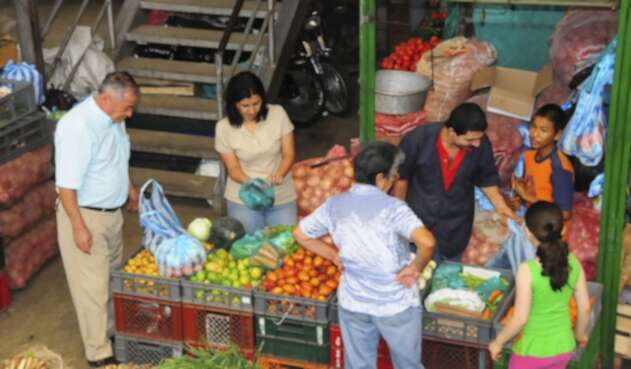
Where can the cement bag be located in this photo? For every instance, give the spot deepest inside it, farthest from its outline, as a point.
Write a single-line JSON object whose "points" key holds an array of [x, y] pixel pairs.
{"points": [[454, 62], [578, 40], [87, 50]]}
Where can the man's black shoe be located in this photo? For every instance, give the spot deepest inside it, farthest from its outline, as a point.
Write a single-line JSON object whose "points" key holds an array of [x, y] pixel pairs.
{"points": [[103, 362]]}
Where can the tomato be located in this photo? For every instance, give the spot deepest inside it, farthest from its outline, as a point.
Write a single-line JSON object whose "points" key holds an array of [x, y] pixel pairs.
{"points": [[325, 290], [288, 261], [331, 270], [315, 282], [318, 261], [303, 276], [289, 288], [308, 260], [277, 290], [292, 280], [298, 255], [331, 284], [272, 276], [306, 294]]}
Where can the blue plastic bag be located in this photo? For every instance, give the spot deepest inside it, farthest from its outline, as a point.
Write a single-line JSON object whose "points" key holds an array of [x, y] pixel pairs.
{"points": [[584, 136], [515, 250], [257, 194]]}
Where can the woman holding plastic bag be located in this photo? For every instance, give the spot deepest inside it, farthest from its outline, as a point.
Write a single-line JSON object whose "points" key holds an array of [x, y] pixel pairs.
{"points": [[256, 143]]}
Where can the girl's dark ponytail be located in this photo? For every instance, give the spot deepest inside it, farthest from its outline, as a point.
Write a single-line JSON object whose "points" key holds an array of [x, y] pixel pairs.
{"points": [[545, 221], [553, 254]]}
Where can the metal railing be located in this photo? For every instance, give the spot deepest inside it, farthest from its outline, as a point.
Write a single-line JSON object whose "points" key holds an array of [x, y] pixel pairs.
{"points": [[106, 8], [268, 27]]}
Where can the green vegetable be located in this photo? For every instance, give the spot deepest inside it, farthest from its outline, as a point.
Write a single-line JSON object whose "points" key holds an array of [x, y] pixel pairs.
{"points": [[471, 281], [208, 358]]}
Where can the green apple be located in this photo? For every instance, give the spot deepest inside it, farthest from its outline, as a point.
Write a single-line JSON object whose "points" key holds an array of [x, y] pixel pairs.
{"points": [[226, 283], [213, 267], [236, 300], [232, 264], [256, 273], [199, 295], [221, 253], [245, 279], [237, 284]]}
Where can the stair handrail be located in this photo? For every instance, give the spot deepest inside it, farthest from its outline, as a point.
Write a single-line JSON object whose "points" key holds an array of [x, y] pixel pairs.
{"points": [[219, 54]]}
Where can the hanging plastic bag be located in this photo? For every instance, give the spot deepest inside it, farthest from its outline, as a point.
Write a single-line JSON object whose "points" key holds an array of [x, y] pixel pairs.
{"points": [[257, 194], [515, 250], [181, 256], [584, 136], [26, 72], [157, 218]]}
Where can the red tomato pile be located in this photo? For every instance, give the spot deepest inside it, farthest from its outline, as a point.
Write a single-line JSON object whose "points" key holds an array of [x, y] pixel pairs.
{"points": [[408, 53]]}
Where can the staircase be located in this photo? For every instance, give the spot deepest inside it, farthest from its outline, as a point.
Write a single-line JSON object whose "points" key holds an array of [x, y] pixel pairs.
{"points": [[273, 14]]}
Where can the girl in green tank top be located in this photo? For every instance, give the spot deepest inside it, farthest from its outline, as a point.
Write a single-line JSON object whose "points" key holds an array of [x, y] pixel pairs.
{"points": [[544, 288]]}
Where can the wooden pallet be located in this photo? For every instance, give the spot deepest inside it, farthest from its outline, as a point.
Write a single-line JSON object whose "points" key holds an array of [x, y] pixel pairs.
{"points": [[622, 344]]}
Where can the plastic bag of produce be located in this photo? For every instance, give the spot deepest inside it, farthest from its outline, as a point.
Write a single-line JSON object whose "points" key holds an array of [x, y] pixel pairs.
{"points": [[257, 194], [157, 218], [490, 285], [579, 38], [452, 65], [246, 246], [447, 276], [584, 135], [27, 254], [34, 206], [515, 250], [487, 237], [317, 179], [503, 132], [180, 256], [20, 175], [225, 232], [282, 238], [584, 232]]}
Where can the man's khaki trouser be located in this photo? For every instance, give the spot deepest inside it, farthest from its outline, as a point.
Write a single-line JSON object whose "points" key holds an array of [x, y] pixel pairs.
{"points": [[89, 275]]}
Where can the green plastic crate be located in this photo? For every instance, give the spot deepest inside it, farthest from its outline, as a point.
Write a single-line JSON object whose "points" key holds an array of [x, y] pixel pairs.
{"points": [[293, 339]]}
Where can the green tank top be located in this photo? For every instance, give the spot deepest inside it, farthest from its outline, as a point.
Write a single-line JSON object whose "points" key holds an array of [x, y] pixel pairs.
{"points": [[548, 331]]}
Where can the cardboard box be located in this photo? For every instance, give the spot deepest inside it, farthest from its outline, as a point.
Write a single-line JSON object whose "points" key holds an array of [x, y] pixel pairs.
{"points": [[513, 91], [8, 51]]}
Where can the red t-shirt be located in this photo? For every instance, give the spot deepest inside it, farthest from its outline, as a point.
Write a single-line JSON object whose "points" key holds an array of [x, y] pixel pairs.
{"points": [[447, 169]]}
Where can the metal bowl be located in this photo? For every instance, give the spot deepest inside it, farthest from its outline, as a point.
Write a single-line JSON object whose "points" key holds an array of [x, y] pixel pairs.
{"points": [[399, 92]]}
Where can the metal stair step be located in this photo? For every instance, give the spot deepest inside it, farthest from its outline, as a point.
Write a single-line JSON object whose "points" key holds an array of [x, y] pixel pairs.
{"points": [[190, 37], [168, 143], [178, 106], [170, 69], [216, 7], [176, 183]]}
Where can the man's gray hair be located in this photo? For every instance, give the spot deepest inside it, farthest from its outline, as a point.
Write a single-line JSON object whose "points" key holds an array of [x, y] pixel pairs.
{"points": [[117, 83]]}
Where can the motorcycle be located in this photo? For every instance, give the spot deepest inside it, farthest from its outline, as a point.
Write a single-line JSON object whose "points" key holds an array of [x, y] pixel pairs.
{"points": [[312, 83]]}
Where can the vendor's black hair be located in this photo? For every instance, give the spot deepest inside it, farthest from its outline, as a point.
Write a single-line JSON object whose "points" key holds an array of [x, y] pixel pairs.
{"points": [[374, 158], [242, 86], [554, 114], [465, 118], [545, 221]]}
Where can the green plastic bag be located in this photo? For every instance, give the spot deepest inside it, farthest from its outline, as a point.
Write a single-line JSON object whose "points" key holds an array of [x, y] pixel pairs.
{"points": [[246, 246], [281, 238]]}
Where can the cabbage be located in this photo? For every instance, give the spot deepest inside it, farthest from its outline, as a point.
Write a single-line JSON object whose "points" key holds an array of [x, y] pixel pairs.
{"points": [[200, 228]]}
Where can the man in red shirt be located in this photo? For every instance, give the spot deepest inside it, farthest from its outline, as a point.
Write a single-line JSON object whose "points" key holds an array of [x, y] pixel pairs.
{"points": [[443, 164]]}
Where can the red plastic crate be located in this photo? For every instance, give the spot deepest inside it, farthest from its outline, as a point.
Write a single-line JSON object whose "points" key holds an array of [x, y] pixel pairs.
{"points": [[217, 327], [5, 296], [148, 317], [337, 350]]}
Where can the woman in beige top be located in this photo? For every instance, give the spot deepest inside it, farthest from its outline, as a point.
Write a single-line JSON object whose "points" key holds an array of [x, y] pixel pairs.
{"points": [[256, 140]]}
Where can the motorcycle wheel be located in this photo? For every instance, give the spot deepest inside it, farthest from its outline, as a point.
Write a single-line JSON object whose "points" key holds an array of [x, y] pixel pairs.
{"points": [[335, 90], [302, 96]]}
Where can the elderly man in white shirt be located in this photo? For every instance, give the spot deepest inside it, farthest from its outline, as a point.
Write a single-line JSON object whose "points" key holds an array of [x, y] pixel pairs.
{"points": [[378, 295]]}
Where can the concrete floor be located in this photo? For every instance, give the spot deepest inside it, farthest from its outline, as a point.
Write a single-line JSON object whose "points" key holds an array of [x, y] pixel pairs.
{"points": [[42, 313]]}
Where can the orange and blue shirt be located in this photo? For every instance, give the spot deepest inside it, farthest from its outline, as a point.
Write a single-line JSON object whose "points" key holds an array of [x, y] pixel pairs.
{"points": [[552, 177]]}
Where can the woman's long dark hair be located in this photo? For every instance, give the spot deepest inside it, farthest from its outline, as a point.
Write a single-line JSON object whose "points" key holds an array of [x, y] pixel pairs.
{"points": [[545, 221]]}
